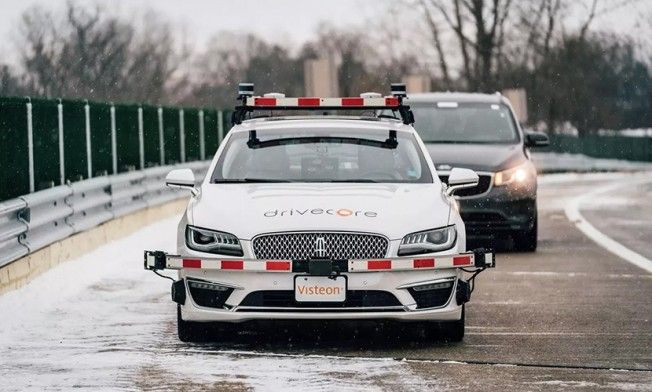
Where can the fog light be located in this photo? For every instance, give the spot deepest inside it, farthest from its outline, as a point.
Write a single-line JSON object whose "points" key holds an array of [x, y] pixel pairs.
{"points": [[206, 286], [433, 286]]}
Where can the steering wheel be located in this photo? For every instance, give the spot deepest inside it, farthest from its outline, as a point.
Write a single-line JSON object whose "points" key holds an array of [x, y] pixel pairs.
{"points": [[381, 175]]}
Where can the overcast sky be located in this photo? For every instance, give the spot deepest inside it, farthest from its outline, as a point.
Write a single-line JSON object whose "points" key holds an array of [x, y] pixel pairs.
{"points": [[288, 21]]}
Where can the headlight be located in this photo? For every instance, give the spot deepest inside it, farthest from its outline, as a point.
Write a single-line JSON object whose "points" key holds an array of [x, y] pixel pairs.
{"points": [[517, 175], [428, 241], [210, 241]]}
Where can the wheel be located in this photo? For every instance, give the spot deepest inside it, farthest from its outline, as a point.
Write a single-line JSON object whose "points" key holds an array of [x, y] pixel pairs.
{"points": [[189, 331], [194, 332], [450, 331], [453, 331], [526, 241]]}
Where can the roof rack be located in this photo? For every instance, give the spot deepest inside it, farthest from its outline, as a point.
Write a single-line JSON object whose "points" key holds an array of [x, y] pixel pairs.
{"points": [[276, 101]]}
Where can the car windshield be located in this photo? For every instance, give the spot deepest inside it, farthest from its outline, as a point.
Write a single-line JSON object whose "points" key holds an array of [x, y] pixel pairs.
{"points": [[322, 155], [464, 123]]}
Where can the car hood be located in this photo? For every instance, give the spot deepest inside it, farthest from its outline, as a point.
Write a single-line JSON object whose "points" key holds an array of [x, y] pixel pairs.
{"points": [[247, 210], [481, 157]]}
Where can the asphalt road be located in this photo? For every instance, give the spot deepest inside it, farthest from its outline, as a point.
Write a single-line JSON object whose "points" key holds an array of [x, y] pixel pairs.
{"points": [[571, 316]]}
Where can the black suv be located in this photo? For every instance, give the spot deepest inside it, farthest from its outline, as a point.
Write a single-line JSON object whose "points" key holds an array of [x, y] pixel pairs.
{"points": [[480, 132]]}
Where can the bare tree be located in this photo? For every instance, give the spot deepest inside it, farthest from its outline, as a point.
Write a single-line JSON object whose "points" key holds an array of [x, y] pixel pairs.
{"points": [[479, 28], [89, 53]]}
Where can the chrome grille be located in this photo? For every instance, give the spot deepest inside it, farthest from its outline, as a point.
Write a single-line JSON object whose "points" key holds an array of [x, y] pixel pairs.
{"points": [[301, 246]]}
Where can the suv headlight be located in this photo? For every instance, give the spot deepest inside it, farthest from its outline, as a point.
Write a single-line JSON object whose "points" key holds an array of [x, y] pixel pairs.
{"points": [[520, 174], [210, 241], [428, 241]]}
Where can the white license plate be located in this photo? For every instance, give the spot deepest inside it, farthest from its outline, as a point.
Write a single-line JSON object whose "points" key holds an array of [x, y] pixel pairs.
{"points": [[319, 289]]}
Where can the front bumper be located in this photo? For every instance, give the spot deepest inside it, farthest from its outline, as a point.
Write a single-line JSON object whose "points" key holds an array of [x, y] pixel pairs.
{"points": [[487, 217], [377, 289]]}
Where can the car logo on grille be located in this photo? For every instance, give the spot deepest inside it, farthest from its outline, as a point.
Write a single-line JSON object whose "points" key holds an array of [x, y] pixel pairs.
{"points": [[320, 247]]}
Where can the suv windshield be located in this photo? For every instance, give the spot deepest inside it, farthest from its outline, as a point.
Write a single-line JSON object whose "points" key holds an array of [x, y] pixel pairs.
{"points": [[321, 156], [464, 123]]}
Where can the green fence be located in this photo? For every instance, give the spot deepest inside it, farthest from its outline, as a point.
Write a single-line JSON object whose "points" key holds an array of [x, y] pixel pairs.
{"points": [[610, 147], [45, 143]]}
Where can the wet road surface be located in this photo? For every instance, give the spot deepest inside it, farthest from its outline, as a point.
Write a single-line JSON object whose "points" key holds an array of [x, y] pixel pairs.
{"points": [[571, 316]]}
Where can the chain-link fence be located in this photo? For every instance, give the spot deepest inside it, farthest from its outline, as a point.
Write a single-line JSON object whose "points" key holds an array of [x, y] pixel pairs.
{"points": [[45, 143]]}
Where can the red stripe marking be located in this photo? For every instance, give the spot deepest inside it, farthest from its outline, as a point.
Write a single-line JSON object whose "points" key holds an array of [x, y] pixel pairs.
{"points": [[352, 101], [265, 101], [461, 260], [191, 263], [309, 101], [232, 264], [423, 263], [379, 264], [391, 101], [277, 266]]}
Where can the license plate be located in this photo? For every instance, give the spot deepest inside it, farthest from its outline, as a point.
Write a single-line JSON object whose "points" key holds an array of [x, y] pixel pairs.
{"points": [[319, 289]]}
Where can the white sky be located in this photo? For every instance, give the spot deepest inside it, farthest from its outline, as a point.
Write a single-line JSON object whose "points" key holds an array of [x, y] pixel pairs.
{"points": [[287, 21]]}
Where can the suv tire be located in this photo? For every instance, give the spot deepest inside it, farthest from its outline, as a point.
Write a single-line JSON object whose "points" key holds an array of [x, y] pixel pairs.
{"points": [[526, 241]]}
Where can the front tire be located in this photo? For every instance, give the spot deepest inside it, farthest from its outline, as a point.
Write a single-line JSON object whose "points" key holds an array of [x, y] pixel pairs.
{"points": [[189, 331], [449, 331], [195, 332], [526, 241]]}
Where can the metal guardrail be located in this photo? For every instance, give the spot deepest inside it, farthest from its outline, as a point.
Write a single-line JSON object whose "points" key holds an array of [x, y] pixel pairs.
{"points": [[33, 221]]}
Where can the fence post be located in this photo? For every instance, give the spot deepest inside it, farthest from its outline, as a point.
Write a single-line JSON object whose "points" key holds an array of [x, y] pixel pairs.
{"points": [[89, 154], [202, 142], [141, 138], [182, 137], [62, 164], [114, 143], [30, 146], [161, 140], [220, 127]]}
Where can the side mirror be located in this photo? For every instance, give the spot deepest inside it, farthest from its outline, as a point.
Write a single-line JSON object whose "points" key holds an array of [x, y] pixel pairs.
{"points": [[181, 179], [461, 178], [536, 139]]}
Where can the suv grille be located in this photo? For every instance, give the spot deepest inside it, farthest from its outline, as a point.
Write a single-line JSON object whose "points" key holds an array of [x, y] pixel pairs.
{"points": [[484, 183], [301, 246]]}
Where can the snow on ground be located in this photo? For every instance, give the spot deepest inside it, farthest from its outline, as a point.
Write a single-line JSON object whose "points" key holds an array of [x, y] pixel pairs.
{"points": [[101, 322]]}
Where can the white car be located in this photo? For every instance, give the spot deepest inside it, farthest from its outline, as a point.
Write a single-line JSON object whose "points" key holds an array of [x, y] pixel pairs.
{"points": [[321, 217]]}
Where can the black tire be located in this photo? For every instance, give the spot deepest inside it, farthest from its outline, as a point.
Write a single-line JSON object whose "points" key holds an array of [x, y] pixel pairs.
{"points": [[526, 241], [186, 330], [194, 332], [449, 331], [453, 331]]}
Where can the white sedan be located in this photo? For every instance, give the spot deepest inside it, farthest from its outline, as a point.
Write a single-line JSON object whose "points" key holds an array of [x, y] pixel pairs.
{"points": [[321, 217]]}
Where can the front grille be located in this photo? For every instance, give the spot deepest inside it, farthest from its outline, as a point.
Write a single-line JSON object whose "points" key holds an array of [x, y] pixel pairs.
{"points": [[484, 182], [354, 299], [301, 246]]}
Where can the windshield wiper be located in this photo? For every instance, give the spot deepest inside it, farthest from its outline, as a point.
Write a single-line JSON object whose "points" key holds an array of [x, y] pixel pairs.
{"points": [[463, 141], [246, 180], [356, 180]]}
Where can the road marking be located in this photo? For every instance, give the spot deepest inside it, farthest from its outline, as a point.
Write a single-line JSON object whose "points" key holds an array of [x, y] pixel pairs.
{"points": [[573, 214]]}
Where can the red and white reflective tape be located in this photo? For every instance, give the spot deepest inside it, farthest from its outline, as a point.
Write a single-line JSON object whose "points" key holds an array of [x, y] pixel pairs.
{"points": [[406, 264], [176, 262], [393, 264], [314, 102]]}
